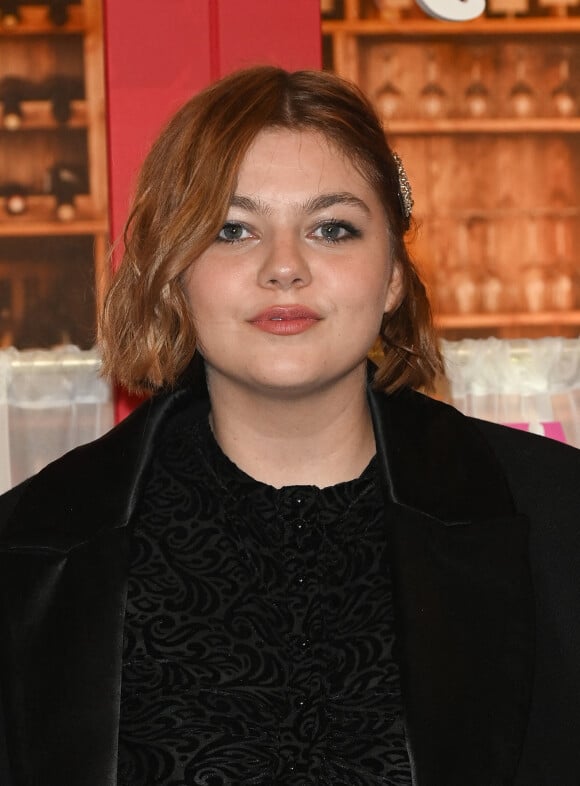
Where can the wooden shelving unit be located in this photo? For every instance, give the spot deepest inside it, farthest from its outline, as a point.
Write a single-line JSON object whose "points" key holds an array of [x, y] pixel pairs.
{"points": [[417, 27], [464, 321], [38, 115], [496, 183], [39, 220], [490, 125], [35, 21], [50, 263]]}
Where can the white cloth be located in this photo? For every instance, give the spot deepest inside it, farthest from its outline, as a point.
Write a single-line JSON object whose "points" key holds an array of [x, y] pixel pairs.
{"points": [[535, 382], [50, 402]]}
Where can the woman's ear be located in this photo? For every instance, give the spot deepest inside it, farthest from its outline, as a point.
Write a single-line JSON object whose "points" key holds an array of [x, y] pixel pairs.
{"points": [[395, 290]]}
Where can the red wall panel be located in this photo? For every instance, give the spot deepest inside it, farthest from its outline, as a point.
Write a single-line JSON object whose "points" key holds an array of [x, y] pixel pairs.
{"points": [[154, 62], [284, 33]]}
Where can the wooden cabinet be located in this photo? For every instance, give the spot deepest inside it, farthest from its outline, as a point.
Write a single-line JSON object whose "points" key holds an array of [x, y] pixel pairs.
{"points": [[486, 115], [53, 237]]}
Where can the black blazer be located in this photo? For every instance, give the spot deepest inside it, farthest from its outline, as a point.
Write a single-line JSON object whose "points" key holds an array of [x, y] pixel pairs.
{"points": [[485, 537]]}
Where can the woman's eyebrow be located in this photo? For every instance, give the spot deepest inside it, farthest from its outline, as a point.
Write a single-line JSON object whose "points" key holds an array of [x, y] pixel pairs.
{"points": [[250, 204], [329, 200], [320, 202]]}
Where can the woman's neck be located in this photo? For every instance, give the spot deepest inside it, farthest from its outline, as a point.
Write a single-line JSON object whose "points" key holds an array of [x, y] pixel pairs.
{"points": [[318, 439]]}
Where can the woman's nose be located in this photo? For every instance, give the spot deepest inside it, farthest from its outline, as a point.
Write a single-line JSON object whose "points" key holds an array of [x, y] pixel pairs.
{"points": [[284, 265]]}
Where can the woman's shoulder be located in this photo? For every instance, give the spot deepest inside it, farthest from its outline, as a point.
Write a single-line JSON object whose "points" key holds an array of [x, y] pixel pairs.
{"points": [[91, 488], [543, 475], [511, 445], [429, 441], [534, 458]]}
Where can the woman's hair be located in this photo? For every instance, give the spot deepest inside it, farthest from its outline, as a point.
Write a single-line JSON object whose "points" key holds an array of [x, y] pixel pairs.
{"points": [[146, 328]]}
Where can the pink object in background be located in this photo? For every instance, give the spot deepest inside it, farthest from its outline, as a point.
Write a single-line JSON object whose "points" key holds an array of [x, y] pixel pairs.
{"points": [[552, 429]]}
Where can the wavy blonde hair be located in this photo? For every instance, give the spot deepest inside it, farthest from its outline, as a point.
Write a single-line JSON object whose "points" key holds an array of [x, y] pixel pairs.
{"points": [[146, 330]]}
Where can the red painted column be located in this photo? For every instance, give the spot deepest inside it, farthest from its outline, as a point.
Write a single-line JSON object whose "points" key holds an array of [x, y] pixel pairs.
{"points": [[158, 55], [154, 61], [279, 32]]}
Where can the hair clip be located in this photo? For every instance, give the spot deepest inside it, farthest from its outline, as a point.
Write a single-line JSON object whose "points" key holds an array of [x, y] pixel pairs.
{"points": [[405, 192]]}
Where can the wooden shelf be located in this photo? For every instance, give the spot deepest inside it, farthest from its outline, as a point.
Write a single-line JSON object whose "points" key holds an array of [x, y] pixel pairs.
{"points": [[475, 321], [40, 219], [498, 187], [48, 263], [435, 28], [489, 125], [35, 21], [499, 213], [54, 228], [38, 115]]}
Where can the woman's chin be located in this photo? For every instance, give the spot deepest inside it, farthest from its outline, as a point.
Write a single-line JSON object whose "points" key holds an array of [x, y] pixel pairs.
{"points": [[287, 380]]}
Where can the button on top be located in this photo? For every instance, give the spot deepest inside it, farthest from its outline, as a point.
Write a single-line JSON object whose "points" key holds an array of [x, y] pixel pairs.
{"points": [[297, 501]]}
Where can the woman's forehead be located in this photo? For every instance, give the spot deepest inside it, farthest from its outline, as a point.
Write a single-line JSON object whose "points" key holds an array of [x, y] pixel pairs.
{"points": [[284, 154]]}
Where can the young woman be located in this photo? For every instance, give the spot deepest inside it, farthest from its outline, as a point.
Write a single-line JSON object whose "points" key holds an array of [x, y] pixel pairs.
{"points": [[287, 567]]}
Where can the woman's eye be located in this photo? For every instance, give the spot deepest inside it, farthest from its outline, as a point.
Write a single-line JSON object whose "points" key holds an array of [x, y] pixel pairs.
{"points": [[232, 232], [334, 231]]}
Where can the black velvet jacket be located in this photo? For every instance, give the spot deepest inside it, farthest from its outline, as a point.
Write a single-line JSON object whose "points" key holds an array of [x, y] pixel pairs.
{"points": [[485, 537]]}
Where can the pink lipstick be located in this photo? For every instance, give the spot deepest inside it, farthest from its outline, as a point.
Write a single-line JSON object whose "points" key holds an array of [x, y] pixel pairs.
{"points": [[285, 320]]}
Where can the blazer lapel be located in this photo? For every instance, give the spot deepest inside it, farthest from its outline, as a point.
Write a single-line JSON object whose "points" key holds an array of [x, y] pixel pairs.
{"points": [[463, 595]]}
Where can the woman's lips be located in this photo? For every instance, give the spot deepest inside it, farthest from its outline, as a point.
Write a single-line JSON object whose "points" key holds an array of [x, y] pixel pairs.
{"points": [[285, 320]]}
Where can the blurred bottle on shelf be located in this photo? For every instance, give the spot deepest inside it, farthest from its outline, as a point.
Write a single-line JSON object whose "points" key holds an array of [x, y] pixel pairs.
{"points": [[464, 281], [433, 97], [492, 288], [10, 13], [332, 9], [388, 96], [58, 12], [466, 291], [563, 95], [477, 99], [491, 292], [15, 198], [562, 284], [534, 289], [522, 98], [61, 91], [562, 289], [534, 283], [438, 254], [442, 295], [66, 183], [13, 91]]}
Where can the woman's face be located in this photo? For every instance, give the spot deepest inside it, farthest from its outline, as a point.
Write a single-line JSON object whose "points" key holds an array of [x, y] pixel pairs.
{"points": [[289, 298]]}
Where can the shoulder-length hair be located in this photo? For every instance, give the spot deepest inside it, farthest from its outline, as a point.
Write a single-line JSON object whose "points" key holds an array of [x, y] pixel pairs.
{"points": [[146, 329]]}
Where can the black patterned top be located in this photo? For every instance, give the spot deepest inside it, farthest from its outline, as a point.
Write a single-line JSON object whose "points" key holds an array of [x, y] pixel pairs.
{"points": [[259, 630]]}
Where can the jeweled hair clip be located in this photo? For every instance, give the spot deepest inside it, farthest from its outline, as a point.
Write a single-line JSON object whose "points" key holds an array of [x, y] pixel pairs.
{"points": [[405, 192]]}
